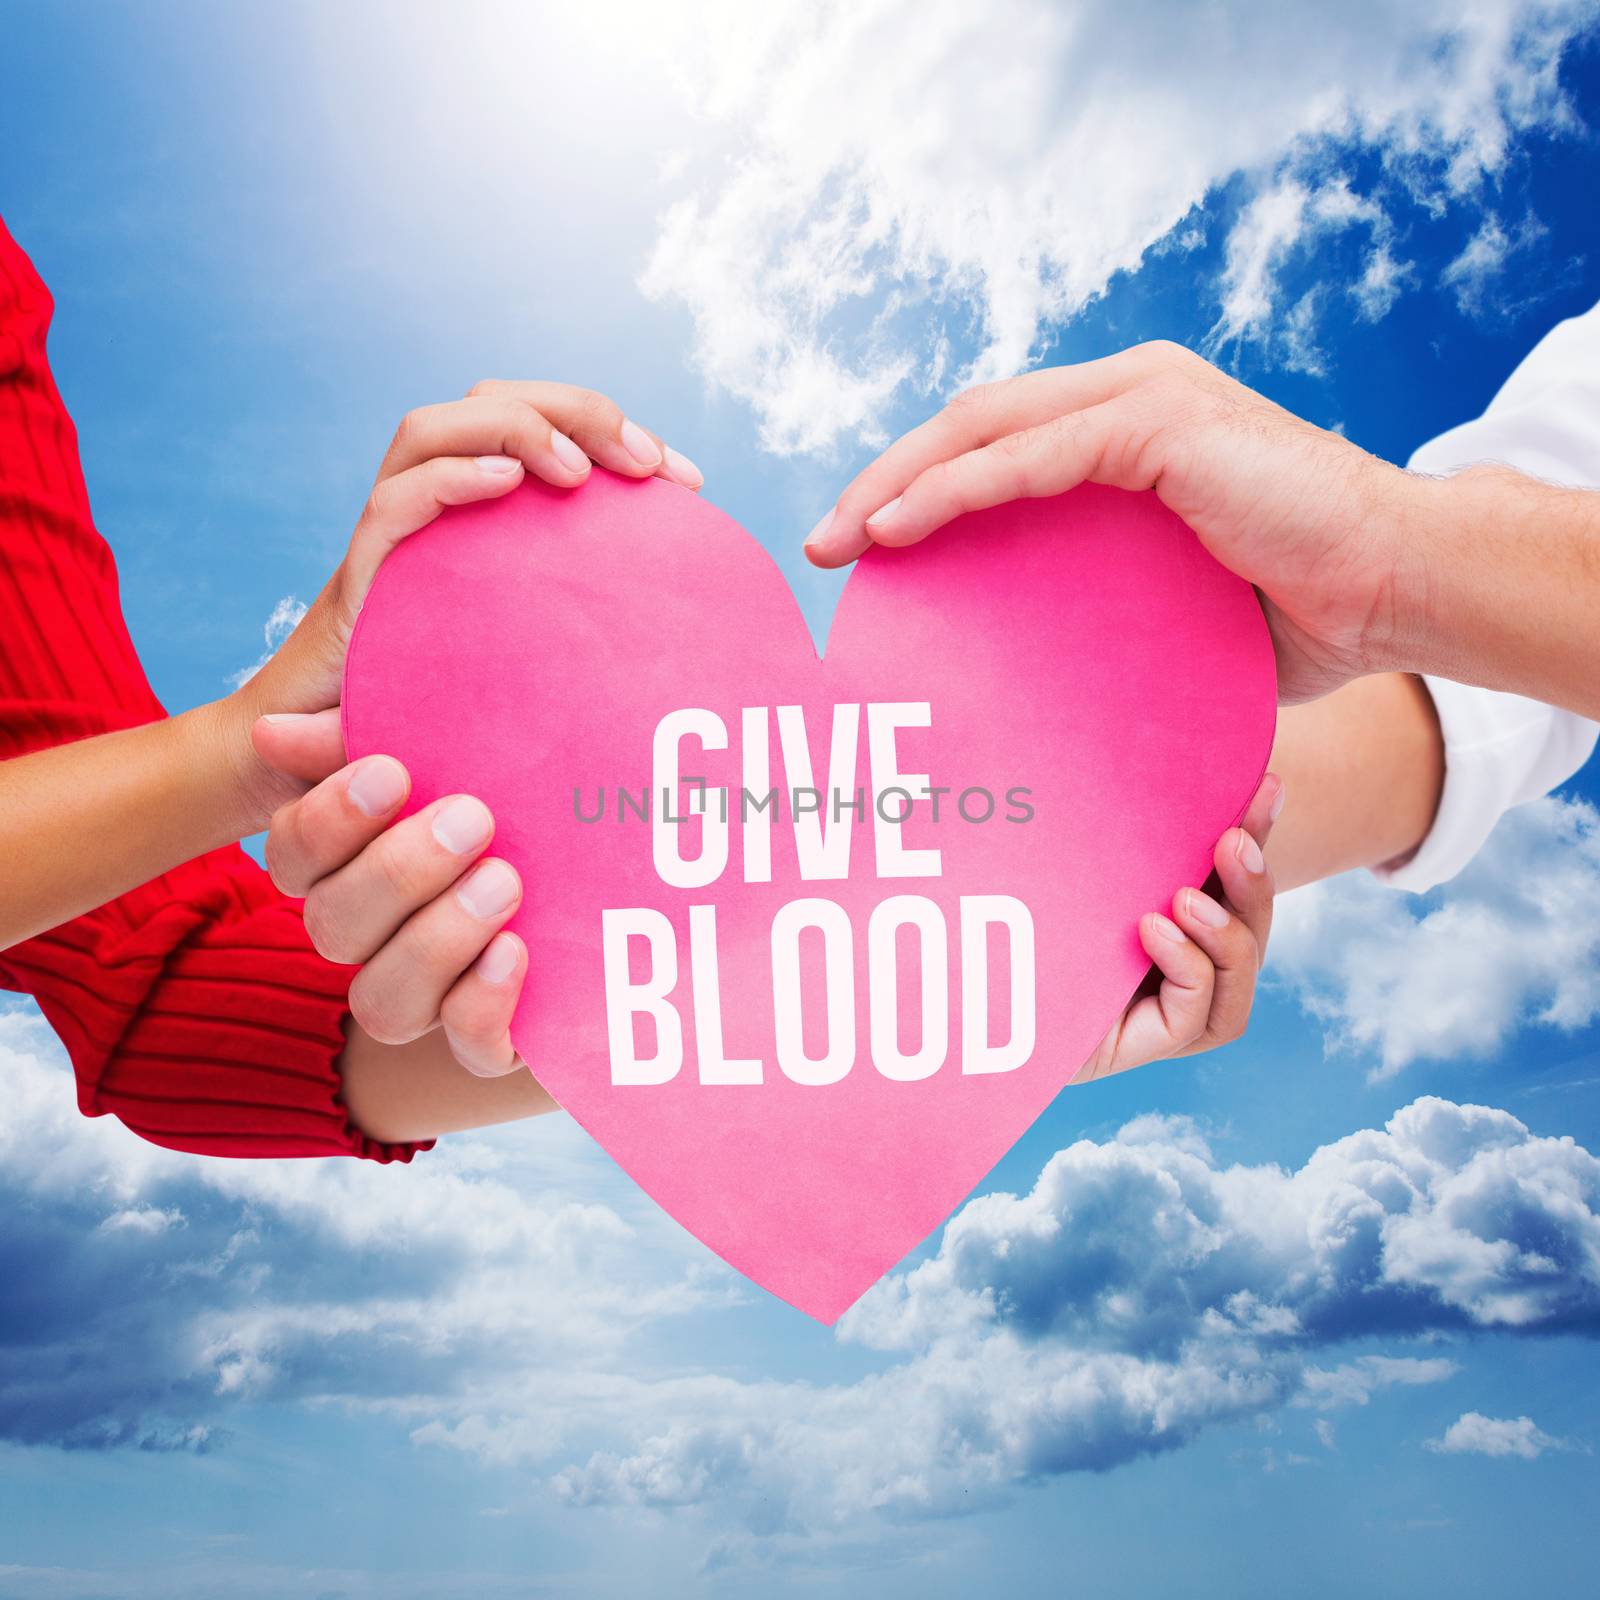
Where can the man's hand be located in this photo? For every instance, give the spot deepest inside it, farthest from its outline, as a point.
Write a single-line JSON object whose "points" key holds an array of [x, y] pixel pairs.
{"points": [[1317, 525]]}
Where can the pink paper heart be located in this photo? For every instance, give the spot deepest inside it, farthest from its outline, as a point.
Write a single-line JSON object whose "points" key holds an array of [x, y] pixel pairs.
{"points": [[1086, 649]]}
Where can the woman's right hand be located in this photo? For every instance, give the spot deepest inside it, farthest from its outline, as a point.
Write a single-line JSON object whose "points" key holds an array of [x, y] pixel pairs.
{"points": [[419, 905]]}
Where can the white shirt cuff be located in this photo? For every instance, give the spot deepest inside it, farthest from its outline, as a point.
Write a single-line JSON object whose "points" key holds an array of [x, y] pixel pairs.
{"points": [[1500, 750]]}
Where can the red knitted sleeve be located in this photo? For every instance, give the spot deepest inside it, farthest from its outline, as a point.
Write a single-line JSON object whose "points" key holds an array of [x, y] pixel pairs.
{"points": [[194, 1008]]}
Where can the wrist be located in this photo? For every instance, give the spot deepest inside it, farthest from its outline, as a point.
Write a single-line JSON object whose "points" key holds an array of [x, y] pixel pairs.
{"points": [[302, 678], [1466, 565], [1412, 612], [249, 790]]}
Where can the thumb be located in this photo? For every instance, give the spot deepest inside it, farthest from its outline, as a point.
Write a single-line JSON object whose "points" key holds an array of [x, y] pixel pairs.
{"points": [[1263, 809], [308, 745]]}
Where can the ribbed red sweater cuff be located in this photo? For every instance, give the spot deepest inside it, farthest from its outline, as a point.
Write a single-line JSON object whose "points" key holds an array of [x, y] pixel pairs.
{"points": [[210, 1033], [222, 1067]]}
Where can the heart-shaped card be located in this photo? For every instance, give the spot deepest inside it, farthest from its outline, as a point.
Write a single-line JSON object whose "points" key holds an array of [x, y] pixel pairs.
{"points": [[814, 941]]}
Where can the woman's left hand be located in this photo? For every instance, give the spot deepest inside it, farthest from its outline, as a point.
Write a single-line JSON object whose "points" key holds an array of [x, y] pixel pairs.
{"points": [[416, 903], [1207, 955], [458, 453]]}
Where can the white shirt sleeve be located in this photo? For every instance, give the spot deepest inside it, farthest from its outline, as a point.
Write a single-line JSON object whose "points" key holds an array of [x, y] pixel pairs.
{"points": [[1500, 749]]}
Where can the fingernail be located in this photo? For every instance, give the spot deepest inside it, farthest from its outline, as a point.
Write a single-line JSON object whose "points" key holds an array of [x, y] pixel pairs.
{"points": [[640, 445], [1250, 853], [284, 716], [1204, 909], [489, 889], [567, 453], [1168, 929], [377, 786], [818, 533], [500, 466], [499, 959], [462, 824], [683, 470], [1277, 803], [884, 514]]}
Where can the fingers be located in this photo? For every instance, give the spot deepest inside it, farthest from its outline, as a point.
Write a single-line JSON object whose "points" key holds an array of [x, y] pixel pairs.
{"points": [[1265, 807], [306, 746], [480, 448], [1101, 444], [1164, 1023], [399, 994], [1233, 934], [1196, 951], [355, 910], [486, 425], [405, 899], [973, 421], [600, 427], [317, 834], [1207, 955], [477, 1011], [1242, 872], [554, 429], [405, 502], [1226, 942]]}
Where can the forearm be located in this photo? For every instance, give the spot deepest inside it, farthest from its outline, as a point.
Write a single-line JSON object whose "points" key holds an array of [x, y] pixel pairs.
{"points": [[82, 823], [400, 1093], [1502, 588], [1362, 770]]}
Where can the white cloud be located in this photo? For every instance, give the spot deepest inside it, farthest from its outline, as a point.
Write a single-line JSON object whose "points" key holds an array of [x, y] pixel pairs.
{"points": [[285, 618], [1380, 283], [1282, 219], [380, 1286], [1480, 260], [1268, 228], [1140, 1293], [1472, 1433], [1300, 352], [502, 1297], [143, 1219], [1514, 940], [878, 180], [1355, 1382], [1483, 259]]}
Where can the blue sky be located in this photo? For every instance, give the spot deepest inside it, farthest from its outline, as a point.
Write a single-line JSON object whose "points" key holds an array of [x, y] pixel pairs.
{"points": [[272, 231]]}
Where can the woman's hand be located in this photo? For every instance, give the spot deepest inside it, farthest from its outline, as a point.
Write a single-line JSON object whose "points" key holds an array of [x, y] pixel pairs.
{"points": [[479, 448], [418, 905], [1207, 955], [1320, 527]]}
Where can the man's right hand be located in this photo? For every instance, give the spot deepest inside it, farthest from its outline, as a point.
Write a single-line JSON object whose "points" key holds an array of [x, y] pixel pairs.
{"points": [[1320, 527]]}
